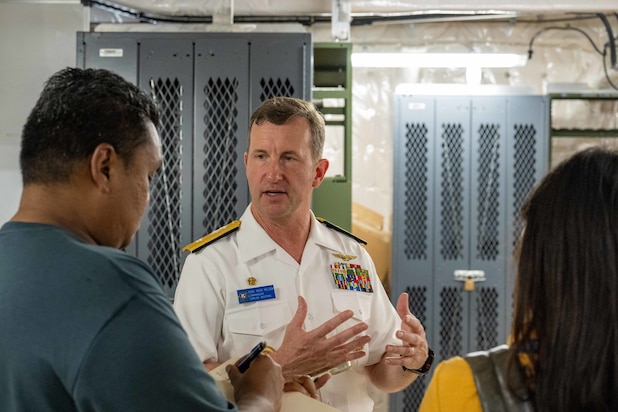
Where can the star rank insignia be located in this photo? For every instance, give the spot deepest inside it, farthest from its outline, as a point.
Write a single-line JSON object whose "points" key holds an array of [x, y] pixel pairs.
{"points": [[345, 258]]}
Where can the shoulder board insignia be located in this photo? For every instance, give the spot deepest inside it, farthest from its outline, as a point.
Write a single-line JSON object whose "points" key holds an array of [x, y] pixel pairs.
{"points": [[340, 230], [212, 236]]}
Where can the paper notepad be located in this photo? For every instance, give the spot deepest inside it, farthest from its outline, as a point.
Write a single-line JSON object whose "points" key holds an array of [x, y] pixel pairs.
{"points": [[290, 402]]}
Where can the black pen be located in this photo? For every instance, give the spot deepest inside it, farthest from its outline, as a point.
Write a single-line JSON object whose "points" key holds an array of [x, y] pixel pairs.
{"points": [[243, 363]]}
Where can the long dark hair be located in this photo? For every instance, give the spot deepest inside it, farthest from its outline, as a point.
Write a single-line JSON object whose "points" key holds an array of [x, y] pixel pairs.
{"points": [[566, 294]]}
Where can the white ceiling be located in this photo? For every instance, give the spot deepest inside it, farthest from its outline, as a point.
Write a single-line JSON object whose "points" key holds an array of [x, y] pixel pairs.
{"points": [[359, 7]]}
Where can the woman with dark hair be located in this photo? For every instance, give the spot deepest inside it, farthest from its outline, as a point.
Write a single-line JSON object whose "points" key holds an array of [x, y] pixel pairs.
{"points": [[564, 350]]}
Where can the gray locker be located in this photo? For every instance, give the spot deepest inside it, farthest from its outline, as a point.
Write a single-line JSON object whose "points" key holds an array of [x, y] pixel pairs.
{"points": [[463, 166], [207, 85]]}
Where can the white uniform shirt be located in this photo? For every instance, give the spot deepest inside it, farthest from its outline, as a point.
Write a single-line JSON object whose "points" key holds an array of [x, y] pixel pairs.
{"points": [[219, 327]]}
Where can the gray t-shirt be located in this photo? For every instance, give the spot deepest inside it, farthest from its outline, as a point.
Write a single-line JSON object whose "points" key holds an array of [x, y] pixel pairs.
{"points": [[88, 328]]}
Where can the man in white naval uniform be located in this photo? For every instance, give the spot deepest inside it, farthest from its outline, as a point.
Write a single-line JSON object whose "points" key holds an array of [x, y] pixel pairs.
{"points": [[306, 287]]}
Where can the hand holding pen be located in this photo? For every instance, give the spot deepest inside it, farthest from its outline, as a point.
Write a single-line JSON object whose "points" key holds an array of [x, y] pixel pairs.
{"points": [[243, 363], [261, 384]]}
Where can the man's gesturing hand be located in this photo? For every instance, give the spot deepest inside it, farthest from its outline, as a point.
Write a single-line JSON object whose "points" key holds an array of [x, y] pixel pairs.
{"points": [[413, 349], [305, 352]]}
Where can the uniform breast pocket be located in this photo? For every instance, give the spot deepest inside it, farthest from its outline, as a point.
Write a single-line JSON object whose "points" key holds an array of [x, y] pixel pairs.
{"points": [[358, 302], [259, 319]]}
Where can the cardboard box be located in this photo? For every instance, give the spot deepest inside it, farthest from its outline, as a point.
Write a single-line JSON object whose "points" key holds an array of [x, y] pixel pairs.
{"points": [[368, 225]]}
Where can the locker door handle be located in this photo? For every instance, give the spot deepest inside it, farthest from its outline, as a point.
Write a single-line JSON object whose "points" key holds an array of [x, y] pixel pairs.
{"points": [[476, 275]]}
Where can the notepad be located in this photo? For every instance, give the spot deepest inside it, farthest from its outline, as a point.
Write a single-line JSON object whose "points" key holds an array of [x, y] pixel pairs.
{"points": [[290, 401]]}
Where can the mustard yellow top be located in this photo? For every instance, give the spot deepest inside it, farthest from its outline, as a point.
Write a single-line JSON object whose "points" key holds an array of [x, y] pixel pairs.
{"points": [[451, 389]]}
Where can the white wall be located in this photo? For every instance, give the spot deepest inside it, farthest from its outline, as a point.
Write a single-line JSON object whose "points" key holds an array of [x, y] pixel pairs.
{"points": [[36, 40]]}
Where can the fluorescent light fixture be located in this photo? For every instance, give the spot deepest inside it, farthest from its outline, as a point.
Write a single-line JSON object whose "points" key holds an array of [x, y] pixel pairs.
{"points": [[438, 60], [451, 89]]}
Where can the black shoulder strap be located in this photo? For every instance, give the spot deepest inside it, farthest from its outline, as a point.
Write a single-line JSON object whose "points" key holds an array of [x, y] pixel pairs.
{"points": [[492, 383], [339, 229]]}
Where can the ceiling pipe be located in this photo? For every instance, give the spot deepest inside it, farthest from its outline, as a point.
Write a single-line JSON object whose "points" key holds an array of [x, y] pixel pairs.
{"points": [[309, 20], [341, 16], [224, 13]]}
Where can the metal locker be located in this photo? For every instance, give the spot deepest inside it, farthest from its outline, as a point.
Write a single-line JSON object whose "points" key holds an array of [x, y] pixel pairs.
{"points": [[166, 73], [488, 249], [414, 212], [528, 150], [463, 166], [207, 85], [110, 51], [220, 139], [452, 225], [272, 56]]}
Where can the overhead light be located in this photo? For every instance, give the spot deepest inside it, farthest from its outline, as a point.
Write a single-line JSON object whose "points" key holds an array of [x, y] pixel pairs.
{"points": [[451, 89], [438, 60]]}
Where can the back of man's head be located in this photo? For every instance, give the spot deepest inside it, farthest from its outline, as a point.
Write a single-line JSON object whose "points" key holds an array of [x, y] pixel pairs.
{"points": [[77, 110]]}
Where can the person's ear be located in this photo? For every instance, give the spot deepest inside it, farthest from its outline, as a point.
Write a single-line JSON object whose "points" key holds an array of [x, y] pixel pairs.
{"points": [[102, 160], [320, 172]]}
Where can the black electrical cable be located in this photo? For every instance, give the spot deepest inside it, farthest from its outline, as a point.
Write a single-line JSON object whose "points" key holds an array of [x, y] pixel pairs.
{"points": [[611, 43], [566, 28], [144, 17], [603, 52], [607, 74]]}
